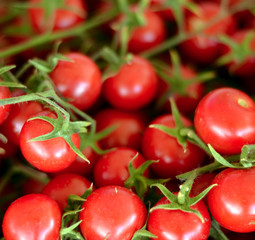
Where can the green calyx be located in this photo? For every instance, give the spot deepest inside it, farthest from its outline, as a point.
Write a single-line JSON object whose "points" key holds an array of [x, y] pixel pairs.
{"points": [[137, 178], [182, 201]]}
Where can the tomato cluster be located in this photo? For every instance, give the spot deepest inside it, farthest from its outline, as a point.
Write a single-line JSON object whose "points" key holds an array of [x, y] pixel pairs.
{"points": [[127, 120]]}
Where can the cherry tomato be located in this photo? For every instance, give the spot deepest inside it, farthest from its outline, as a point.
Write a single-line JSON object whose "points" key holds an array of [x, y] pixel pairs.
{"points": [[133, 87], [112, 212], [60, 18], [78, 80], [112, 167], [203, 49], [50, 155], [232, 201], [171, 156], [152, 34], [129, 128], [63, 185], [217, 120], [33, 216], [176, 224], [4, 110]]}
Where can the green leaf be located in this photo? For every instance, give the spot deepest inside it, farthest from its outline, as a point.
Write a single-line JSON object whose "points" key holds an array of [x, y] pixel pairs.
{"points": [[142, 234], [6, 68]]}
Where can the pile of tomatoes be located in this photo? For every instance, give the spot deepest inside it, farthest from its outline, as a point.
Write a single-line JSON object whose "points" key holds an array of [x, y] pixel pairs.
{"points": [[127, 120]]}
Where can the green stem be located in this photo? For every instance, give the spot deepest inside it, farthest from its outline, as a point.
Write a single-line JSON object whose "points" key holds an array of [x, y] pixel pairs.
{"points": [[207, 168], [49, 37]]}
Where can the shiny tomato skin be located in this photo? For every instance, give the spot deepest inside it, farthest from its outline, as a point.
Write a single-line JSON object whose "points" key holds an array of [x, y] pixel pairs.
{"points": [[112, 167], [63, 185], [129, 128], [33, 216], [63, 18], [171, 156], [18, 116], [133, 87], [232, 201], [222, 121], [6, 109], [148, 36], [50, 155], [113, 212], [176, 224], [78, 80]]}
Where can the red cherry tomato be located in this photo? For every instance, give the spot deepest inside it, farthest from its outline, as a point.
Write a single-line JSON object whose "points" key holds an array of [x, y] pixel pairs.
{"points": [[173, 159], [133, 87], [33, 216], [225, 118], [232, 201], [129, 128], [50, 155], [176, 224], [63, 185], [62, 18], [112, 167], [79, 80], [152, 34], [112, 212]]}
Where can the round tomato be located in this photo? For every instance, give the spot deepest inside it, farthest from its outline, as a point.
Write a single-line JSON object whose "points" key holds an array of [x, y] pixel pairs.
{"points": [[112, 167], [133, 87], [175, 224], [78, 80], [60, 18], [50, 155], [148, 36], [232, 201], [63, 185], [225, 118], [129, 128], [112, 212], [33, 216], [172, 158]]}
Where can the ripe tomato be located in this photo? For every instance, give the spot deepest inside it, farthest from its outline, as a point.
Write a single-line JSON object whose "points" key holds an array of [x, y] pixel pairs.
{"points": [[204, 49], [50, 155], [129, 128], [62, 18], [148, 36], [232, 201], [112, 212], [112, 167], [63, 185], [4, 110], [171, 156], [176, 224], [78, 80], [217, 120], [33, 216], [133, 87]]}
